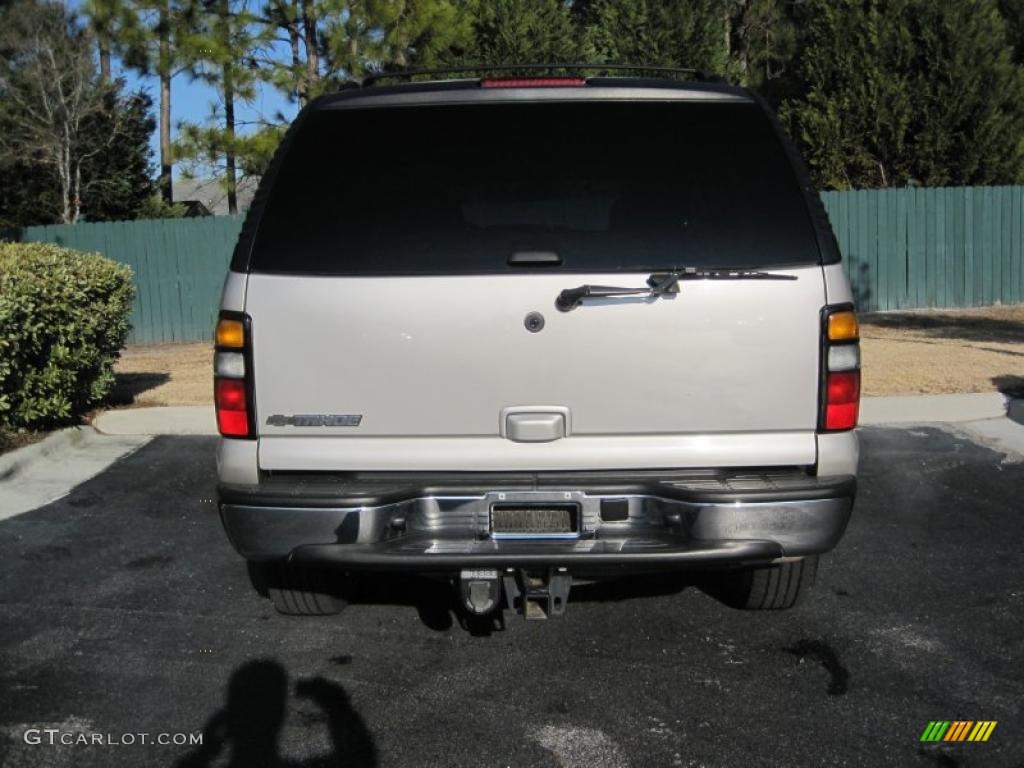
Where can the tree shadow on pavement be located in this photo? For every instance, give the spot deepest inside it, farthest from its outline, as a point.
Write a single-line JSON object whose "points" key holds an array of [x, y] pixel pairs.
{"points": [[249, 725], [1009, 384], [433, 600], [439, 609], [634, 586], [128, 386]]}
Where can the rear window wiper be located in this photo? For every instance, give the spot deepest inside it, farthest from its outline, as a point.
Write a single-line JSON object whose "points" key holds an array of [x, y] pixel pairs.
{"points": [[660, 284]]}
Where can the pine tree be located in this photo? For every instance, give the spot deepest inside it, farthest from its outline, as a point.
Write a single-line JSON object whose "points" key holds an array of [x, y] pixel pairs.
{"points": [[419, 33], [153, 35], [106, 19], [299, 24], [522, 32], [853, 119], [761, 43], [366, 36], [669, 33], [218, 51], [967, 96], [282, 20], [1013, 14], [907, 91]]}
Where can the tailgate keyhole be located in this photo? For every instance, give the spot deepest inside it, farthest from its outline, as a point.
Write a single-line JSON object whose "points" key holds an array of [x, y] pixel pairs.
{"points": [[534, 322]]}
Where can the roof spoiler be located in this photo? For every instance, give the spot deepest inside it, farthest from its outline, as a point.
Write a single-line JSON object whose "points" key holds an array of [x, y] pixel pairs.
{"points": [[471, 72]]}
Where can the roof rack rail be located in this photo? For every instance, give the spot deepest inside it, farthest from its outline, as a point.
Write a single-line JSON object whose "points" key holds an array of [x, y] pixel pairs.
{"points": [[409, 74]]}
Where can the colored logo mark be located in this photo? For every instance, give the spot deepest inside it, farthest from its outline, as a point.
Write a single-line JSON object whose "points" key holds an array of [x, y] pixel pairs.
{"points": [[958, 730]]}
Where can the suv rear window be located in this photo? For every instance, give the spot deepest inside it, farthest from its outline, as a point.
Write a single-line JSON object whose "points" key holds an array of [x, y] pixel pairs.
{"points": [[608, 186]]}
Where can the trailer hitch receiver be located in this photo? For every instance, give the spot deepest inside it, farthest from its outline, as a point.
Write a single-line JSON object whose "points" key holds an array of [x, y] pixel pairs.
{"points": [[537, 596]]}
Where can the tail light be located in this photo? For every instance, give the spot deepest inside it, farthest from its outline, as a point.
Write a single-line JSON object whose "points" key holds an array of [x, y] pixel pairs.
{"points": [[840, 395], [232, 382]]}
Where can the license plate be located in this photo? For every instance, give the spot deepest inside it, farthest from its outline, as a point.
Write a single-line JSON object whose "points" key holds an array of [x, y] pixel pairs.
{"points": [[540, 520]]}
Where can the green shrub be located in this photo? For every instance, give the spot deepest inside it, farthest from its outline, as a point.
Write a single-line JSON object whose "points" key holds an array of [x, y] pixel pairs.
{"points": [[63, 320]]}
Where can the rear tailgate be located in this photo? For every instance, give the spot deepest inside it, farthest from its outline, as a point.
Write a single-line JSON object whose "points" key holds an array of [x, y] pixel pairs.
{"points": [[723, 373]]}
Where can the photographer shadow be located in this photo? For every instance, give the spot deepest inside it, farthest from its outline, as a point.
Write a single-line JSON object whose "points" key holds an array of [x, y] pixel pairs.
{"points": [[249, 726]]}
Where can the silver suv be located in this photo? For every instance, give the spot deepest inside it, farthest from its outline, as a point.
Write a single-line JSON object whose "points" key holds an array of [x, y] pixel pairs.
{"points": [[515, 332]]}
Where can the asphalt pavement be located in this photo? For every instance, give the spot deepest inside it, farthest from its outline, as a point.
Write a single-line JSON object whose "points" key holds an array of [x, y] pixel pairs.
{"points": [[123, 611]]}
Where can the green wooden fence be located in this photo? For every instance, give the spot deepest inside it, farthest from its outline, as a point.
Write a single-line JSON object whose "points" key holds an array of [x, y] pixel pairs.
{"points": [[943, 247], [902, 248]]}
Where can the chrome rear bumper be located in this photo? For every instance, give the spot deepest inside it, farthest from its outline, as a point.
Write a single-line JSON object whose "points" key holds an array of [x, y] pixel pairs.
{"points": [[656, 523]]}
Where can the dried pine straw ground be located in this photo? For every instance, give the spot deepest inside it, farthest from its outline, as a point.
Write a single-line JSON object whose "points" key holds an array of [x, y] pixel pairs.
{"points": [[164, 374], [916, 352], [943, 351]]}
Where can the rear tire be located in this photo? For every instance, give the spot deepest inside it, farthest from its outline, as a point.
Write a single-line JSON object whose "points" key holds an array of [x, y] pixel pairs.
{"points": [[296, 590], [767, 588]]}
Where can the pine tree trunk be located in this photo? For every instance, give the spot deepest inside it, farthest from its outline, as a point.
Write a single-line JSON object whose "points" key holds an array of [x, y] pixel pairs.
{"points": [[165, 105], [64, 175], [165, 139], [289, 21], [229, 133], [103, 44], [312, 53], [76, 200], [727, 23], [301, 89]]}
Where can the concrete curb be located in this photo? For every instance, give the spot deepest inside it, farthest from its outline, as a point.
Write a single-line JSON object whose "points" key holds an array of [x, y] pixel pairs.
{"points": [[1001, 435], [45, 471], [924, 409], [12, 462], [166, 420]]}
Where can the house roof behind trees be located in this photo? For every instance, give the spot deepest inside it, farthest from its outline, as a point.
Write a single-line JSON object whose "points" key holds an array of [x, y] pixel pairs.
{"points": [[212, 195]]}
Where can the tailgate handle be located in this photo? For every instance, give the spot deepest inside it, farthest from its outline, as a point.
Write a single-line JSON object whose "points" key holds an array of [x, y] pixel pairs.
{"points": [[526, 427], [534, 259]]}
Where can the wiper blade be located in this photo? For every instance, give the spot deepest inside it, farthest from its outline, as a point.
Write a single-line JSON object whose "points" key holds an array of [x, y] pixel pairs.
{"points": [[660, 283], [720, 273]]}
